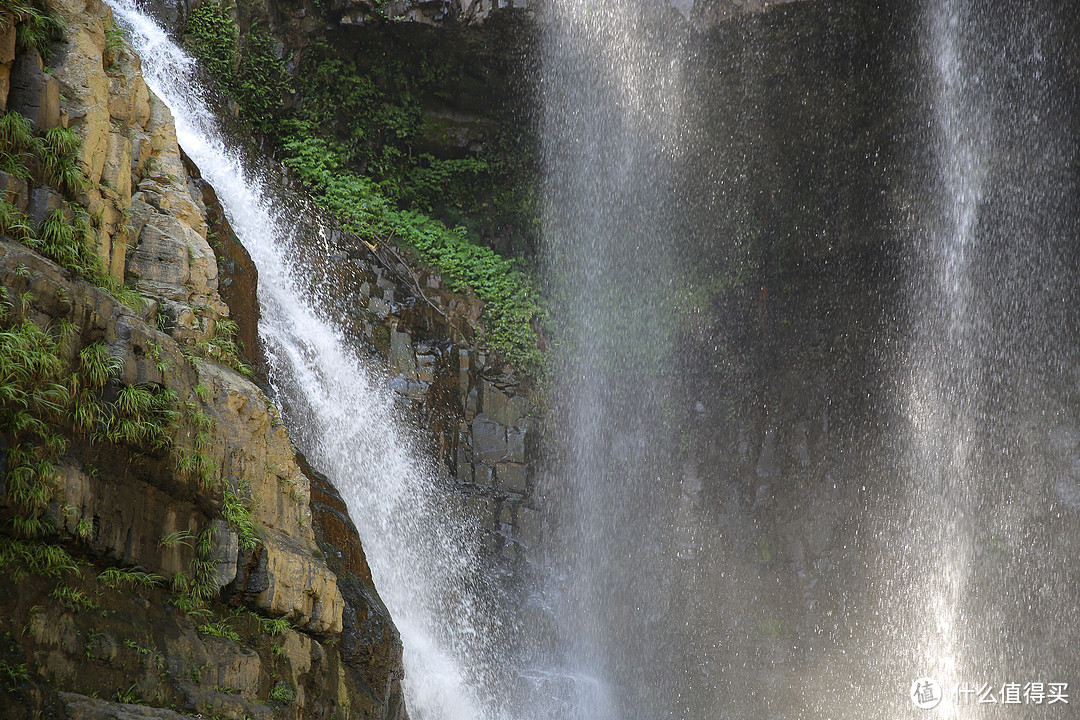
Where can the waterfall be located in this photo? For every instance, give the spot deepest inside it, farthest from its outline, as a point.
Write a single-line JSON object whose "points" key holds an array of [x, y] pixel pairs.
{"points": [[423, 557], [742, 518]]}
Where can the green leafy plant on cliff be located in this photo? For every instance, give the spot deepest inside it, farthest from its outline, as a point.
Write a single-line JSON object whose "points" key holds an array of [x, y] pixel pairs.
{"points": [[246, 67], [195, 462], [224, 347], [211, 34], [46, 400], [274, 626], [175, 539], [192, 590], [35, 391], [142, 416], [35, 26], [59, 154], [38, 558], [72, 598], [220, 628], [379, 119], [12, 675], [236, 508], [66, 235], [134, 578], [16, 144], [512, 309], [282, 693], [114, 44]]}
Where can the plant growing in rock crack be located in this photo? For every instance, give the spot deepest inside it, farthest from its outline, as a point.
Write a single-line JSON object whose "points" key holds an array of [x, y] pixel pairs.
{"points": [[66, 234], [16, 143], [13, 674], [35, 393], [176, 538], [130, 696], [276, 626], [220, 628], [73, 598], [193, 589], [197, 463], [129, 579], [141, 416], [236, 509], [224, 347], [59, 151], [35, 27], [31, 556], [114, 44], [282, 692]]}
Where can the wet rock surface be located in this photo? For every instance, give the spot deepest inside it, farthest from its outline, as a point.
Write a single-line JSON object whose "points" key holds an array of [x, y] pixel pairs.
{"points": [[268, 640]]}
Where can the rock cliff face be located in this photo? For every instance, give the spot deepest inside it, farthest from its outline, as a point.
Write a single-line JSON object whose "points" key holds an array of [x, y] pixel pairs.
{"points": [[481, 415], [160, 542]]}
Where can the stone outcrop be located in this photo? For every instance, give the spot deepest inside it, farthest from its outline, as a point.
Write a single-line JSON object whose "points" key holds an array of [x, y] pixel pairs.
{"points": [[221, 503], [481, 416]]}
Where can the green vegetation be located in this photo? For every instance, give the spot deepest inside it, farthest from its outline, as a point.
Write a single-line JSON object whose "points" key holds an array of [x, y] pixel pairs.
{"points": [[18, 557], [282, 693], [275, 626], [173, 539], [134, 578], [220, 628], [72, 598], [130, 696], [11, 675], [225, 348], [247, 70], [34, 26], [194, 589], [196, 463], [355, 142], [35, 393], [114, 44], [59, 154], [512, 302], [236, 509], [66, 235]]}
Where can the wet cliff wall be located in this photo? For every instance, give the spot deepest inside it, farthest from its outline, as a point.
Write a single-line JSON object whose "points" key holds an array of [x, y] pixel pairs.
{"points": [[164, 553]]}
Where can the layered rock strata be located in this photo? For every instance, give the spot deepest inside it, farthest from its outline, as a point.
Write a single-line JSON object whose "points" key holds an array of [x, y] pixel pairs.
{"points": [[211, 497]]}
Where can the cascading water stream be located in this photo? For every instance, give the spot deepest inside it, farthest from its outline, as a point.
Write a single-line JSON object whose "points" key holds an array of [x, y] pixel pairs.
{"points": [[423, 556], [667, 593], [945, 385], [990, 277]]}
